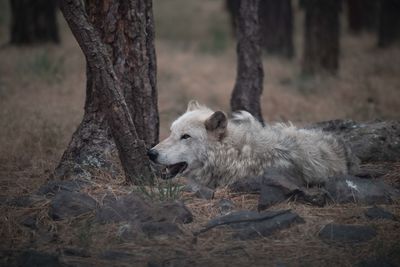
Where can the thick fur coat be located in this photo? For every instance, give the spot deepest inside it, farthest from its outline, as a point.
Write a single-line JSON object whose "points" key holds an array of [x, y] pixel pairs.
{"points": [[207, 147]]}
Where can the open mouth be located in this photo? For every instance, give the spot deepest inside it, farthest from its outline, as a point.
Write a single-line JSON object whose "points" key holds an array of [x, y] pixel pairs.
{"points": [[173, 170]]}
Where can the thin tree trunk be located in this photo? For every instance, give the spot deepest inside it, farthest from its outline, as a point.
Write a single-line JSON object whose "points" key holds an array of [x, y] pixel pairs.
{"points": [[321, 48], [33, 21], [362, 15], [131, 150], [276, 24], [389, 23], [127, 30], [249, 78]]}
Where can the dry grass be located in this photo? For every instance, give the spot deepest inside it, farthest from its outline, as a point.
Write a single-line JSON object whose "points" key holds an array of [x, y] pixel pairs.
{"points": [[41, 102]]}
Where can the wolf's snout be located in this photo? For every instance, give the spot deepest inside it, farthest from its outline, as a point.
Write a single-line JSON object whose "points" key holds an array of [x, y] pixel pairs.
{"points": [[153, 154]]}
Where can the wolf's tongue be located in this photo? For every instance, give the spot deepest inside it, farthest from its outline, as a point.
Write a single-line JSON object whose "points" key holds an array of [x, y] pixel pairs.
{"points": [[172, 170]]}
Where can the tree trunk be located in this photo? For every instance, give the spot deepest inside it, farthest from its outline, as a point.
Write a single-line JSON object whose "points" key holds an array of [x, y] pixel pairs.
{"points": [[362, 15], [321, 48], [276, 23], [33, 21], [249, 78], [105, 103], [389, 23], [232, 6]]}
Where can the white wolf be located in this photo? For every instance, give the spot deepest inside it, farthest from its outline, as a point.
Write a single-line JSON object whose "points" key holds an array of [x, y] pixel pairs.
{"points": [[211, 150]]}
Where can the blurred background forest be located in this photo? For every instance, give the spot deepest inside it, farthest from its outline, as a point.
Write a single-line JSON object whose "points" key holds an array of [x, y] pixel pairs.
{"points": [[42, 87]]}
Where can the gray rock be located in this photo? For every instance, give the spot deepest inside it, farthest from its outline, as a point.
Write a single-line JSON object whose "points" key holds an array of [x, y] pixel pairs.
{"points": [[30, 222], [269, 196], [314, 196], [152, 229], [250, 185], [114, 255], [53, 187], [252, 224], [174, 211], [376, 262], [126, 208], [132, 208], [205, 193], [25, 201], [343, 233], [370, 142], [345, 189], [251, 230], [32, 258], [70, 204], [225, 205], [76, 252], [200, 191], [378, 213]]}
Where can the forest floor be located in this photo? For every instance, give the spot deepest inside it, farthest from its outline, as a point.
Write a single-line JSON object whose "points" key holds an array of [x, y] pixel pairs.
{"points": [[42, 92]]}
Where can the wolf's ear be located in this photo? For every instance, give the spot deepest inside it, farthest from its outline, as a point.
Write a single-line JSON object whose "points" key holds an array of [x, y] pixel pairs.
{"points": [[193, 105], [216, 124]]}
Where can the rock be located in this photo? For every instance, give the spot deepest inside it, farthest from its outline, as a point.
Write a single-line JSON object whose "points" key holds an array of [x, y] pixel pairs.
{"points": [[269, 196], [370, 142], [128, 232], [252, 224], [378, 213], [205, 193], [225, 205], [376, 262], [200, 191], [251, 230], [152, 229], [315, 196], [115, 255], [277, 187], [174, 211], [32, 258], [126, 208], [347, 233], [30, 222], [76, 252], [25, 201], [53, 187], [345, 189], [132, 208], [70, 204], [250, 185]]}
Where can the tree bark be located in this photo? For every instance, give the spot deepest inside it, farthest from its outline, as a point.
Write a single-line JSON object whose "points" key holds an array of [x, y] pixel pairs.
{"points": [[276, 23], [389, 23], [362, 15], [127, 30], [321, 48], [104, 86], [33, 21], [249, 78]]}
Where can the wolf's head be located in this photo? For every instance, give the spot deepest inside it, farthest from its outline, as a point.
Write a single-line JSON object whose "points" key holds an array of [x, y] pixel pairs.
{"points": [[185, 150]]}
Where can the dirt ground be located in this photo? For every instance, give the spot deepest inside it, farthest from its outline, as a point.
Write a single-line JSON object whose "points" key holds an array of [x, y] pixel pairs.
{"points": [[42, 91]]}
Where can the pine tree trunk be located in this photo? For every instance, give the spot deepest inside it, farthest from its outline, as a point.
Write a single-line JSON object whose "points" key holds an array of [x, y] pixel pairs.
{"points": [[249, 78], [126, 33], [362, 15], [276, 24], [33, 21], [389, 23], [321, 47]]}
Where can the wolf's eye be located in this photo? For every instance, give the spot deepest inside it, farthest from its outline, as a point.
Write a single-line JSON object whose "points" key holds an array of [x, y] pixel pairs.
{"points": [[185, 136]]}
